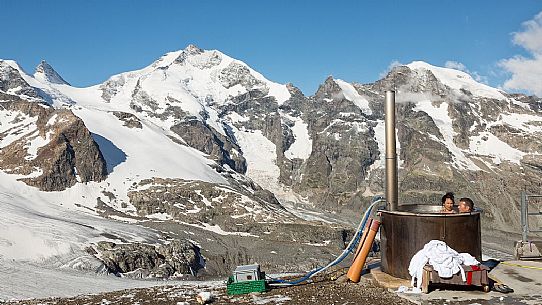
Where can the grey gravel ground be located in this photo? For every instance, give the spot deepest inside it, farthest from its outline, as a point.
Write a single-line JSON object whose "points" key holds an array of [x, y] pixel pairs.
{"points": [[323, 291]]}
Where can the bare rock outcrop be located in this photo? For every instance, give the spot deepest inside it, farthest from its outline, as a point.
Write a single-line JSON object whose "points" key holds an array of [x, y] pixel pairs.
{"points": [[207, 140], [140, 260], [208, 204], [130, 120], [238, 74], [51, 148]]}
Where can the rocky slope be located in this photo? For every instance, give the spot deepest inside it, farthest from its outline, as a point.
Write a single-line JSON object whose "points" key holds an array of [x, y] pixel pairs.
{"points": [[51, 149]]}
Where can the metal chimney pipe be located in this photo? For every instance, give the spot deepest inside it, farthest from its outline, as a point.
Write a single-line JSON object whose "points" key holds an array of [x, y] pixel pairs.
{"points": [[391, 153]]}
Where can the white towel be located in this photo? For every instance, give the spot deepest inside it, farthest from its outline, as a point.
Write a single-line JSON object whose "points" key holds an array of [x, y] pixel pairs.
{"points": [[469, 260], [445, 260], [416, 267]]}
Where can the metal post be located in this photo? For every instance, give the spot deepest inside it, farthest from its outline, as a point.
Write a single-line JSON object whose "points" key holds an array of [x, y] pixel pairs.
{"points": [[391, 152], [524, 226]]}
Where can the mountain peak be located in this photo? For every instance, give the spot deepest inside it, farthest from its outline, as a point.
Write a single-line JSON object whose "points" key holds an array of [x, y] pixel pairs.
{"points": [[458, 80], [328, 89], [193, 49], [46, 73]]}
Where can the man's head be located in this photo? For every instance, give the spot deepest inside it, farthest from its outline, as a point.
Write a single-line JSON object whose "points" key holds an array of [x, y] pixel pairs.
{"points": [[465, 205]]}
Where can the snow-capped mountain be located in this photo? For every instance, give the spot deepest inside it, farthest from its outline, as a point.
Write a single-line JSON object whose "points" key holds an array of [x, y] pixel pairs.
{"points": [[46, 73], [457, 81], [165, 156], [201, 148]]}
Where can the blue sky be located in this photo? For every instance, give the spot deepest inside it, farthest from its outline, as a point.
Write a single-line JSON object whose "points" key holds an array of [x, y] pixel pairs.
{"points": [[301, 42]]}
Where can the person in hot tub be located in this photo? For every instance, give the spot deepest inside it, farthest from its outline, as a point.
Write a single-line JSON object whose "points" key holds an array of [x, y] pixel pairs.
{"points": [[448, 203], [466, 205]]}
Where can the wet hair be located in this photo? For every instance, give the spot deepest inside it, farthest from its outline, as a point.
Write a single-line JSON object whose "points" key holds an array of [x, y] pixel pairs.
{"points": [[446, 196], [468, 202]]}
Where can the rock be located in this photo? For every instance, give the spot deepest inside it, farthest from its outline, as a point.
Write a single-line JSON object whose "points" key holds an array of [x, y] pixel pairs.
{"points": [[238, 74], [130, 120], [143, 260], [205, 139], [194, 202], [111, 87], [67, 153], [204, 297]]}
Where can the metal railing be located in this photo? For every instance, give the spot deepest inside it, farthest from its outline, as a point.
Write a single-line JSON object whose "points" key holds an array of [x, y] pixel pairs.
{"points": [[525, 215]]}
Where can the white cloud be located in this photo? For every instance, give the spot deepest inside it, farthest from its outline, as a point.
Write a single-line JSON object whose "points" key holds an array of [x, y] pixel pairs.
{"points": [[393, 64], [530, 39], [455, 65], [526, 72], [450, 64]]}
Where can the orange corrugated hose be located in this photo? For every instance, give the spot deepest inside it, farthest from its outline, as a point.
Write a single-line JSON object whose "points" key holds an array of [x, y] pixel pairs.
{"points": [[366, 242]]}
